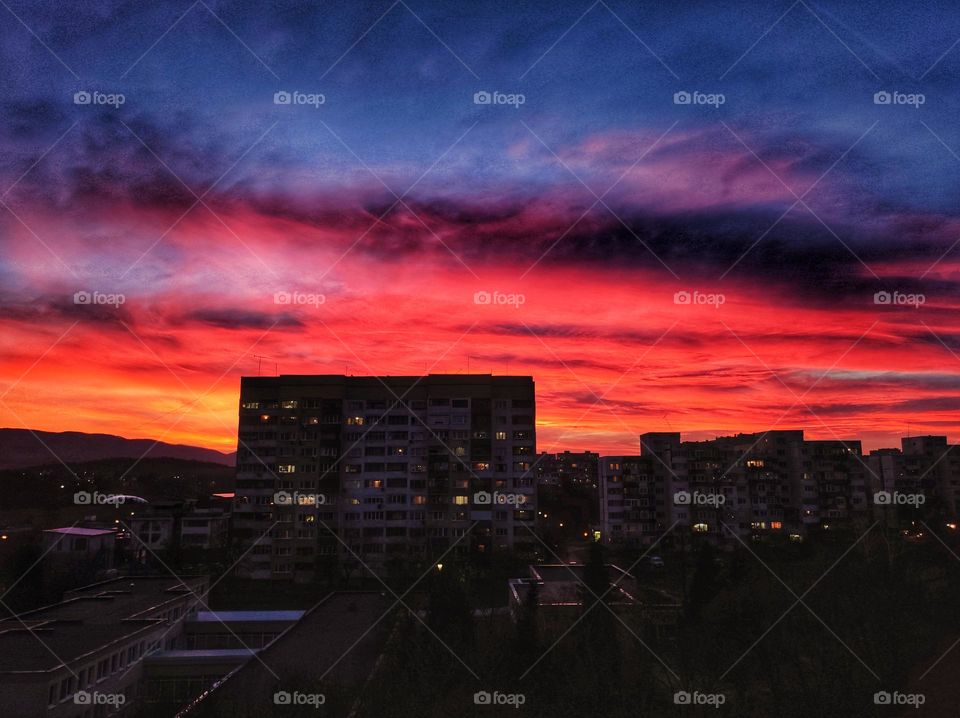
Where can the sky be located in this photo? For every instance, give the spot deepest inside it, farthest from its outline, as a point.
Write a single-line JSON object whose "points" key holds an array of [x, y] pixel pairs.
{"points": [[496, 187]]}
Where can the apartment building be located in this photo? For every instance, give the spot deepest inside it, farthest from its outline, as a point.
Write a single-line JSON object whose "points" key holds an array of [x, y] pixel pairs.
{"points": [[747, 485], [84, 657], [192, 525], [635, 501], [924, 465], [568, 468], [334, 468]]}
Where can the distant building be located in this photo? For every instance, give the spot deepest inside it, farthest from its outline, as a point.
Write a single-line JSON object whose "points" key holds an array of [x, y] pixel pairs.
{"points": [[933, 466], [188, 524], [94, 545], [77, 555], [577, 468], [392, 467], [926, 466], [747, 485]]}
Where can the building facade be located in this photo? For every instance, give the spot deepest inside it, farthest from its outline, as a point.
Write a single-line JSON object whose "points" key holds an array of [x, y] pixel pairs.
{"points": [[731, 488], [568, 468], [368, 469]]}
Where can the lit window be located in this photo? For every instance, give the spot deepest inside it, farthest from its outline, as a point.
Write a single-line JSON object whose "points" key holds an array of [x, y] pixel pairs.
{"points": [[501, 436], [419, 500], [776, 524], [755, 463], [250, 405], [290, 404], [701, 528], [355, 420], [286, 468], [461, 500]]}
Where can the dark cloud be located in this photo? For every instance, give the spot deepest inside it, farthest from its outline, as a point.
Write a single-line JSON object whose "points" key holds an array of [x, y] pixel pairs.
{"points": [[243, 319]]}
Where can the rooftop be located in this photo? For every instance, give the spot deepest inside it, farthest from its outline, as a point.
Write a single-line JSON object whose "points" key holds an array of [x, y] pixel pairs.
{"points": [[241, 616], [77, 531], [342, 635], [42, 647], [111, 601]]}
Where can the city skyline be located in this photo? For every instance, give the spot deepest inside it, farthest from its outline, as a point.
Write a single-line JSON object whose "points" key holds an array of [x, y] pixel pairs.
{"points": [[192, 192]]}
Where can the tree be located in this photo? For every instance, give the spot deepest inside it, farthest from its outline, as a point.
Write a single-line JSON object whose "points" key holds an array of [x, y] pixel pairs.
{"points": [[703, 587]]}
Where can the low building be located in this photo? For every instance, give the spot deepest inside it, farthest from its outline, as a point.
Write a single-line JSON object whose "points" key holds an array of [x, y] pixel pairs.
{"points": [[84, 656]]}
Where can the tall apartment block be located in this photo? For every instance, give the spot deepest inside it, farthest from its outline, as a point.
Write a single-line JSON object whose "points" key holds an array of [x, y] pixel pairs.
{"points": [[925, 465], [340, 468], [736, 486]]}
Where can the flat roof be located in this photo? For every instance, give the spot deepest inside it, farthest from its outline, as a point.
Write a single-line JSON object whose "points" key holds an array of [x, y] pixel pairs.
{"points": [[343, 634], [240, 616], [48, 644], [379, 381], [214, 653], [76, 531], [111, 601]]}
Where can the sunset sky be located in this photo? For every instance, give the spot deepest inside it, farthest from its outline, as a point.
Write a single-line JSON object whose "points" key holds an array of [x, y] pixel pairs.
{"points": [[398, 199]]}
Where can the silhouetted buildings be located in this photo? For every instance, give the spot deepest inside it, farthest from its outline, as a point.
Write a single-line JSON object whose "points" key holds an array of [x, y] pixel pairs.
{"points": [[343, 470], [568, 467], [771, 483]]}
